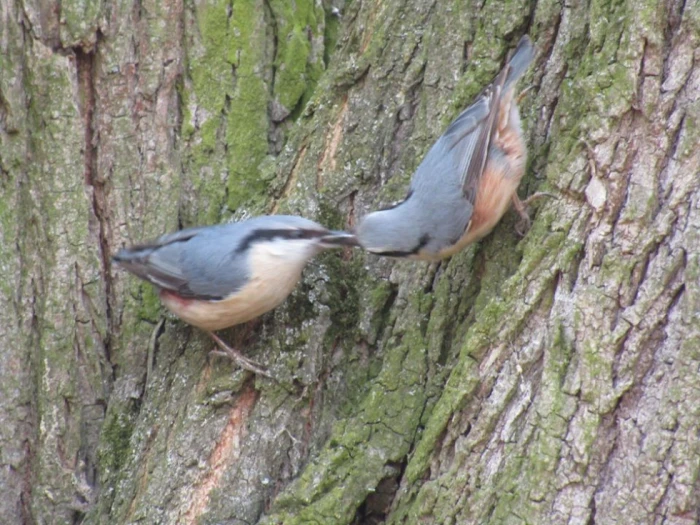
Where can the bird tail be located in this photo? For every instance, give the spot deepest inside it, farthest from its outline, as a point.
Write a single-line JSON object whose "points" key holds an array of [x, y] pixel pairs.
{"points": [[520, 61], [134, 260], [336, 239]]}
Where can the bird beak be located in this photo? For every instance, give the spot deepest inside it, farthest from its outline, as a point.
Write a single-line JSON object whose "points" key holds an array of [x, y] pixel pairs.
{"points": [[336, 239]]}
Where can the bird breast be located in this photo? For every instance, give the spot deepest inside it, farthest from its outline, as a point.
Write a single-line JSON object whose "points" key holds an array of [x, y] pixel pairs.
{"points": [[274, 274]]}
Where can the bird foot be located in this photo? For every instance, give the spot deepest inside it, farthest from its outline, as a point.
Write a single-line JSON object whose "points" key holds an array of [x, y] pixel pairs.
{"points": [[525, 222], [523, 93], [535, 196], [239, 358]]}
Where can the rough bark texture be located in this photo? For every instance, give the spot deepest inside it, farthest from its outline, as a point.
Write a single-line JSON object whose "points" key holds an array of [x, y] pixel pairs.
{"points": [[548, 379]]}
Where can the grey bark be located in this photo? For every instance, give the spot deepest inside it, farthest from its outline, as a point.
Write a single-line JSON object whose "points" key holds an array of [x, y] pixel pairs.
{"points": [[545, 379]]}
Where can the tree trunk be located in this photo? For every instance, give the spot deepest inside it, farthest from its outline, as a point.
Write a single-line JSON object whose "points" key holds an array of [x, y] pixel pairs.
{"points": [[545, 379]]}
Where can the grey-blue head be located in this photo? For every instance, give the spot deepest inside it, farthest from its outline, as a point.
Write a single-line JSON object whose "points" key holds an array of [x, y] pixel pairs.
{"points": [[415, 228], [393, 231]]}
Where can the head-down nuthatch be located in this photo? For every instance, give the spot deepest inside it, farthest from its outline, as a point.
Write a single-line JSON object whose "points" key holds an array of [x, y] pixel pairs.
{"points": [[465, 183], [214, 277]]}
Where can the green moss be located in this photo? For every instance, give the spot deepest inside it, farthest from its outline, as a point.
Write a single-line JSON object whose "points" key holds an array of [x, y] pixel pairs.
{"points": [[290, 83], [601, 13], [489, 47], [688, 139], [299, 306], [536, 252], [246, 136], [546, 15], [330, 36], [115, 441], [344, 297], [691, 16], [247, 123], [461, 384], [148, 305], [80, 22], [211, 84], [494, 307], [690, 303], [231, 95], [380, 298], [554, 408], [229, 100], [377, 433], [211, 69], [597, 375], [298, 65]]}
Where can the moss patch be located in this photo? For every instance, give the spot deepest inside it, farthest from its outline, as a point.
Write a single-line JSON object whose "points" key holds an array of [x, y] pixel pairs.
{"points": [[115, 442], [225, 117]]}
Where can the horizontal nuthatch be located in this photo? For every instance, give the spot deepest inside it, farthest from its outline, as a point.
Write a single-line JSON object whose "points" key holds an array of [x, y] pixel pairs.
{"points": [[465, 183], [214, 277]]}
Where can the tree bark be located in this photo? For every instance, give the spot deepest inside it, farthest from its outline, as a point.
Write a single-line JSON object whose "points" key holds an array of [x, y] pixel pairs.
{"points": [[546, 379]]}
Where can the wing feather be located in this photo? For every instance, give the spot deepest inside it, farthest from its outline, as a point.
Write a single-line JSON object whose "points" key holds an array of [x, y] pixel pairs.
{"points": [[472, 168], [197, 263]]}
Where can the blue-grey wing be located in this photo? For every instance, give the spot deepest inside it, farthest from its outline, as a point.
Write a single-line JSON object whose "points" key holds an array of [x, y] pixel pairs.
{"points": [[472, 169], [147, 262], [492, 96], [214, 265], [460, 154], [197, 263], [453, 152]]}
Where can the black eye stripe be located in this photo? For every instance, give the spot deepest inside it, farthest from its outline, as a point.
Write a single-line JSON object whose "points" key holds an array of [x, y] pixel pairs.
{"points": [[280, 233], [422, 242]]}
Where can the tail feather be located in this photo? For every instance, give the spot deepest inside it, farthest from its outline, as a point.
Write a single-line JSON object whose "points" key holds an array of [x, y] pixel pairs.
{"points": [[520, 61], [149, 262], [135, 260], [134, 253]]}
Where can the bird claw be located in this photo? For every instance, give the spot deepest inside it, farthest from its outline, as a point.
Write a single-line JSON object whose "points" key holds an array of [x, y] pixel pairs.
{"points": [[535, 196], [525, 222], [238, 358], [523, 94], [523, 225]]}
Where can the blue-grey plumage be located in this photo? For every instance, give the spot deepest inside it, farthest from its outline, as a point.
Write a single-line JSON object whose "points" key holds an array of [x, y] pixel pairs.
{"points": [[466, 181], [218, 276]]}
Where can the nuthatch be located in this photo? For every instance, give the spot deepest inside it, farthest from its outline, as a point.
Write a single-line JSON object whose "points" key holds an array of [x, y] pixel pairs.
{"points": [[466, 181], [214, 277]]}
